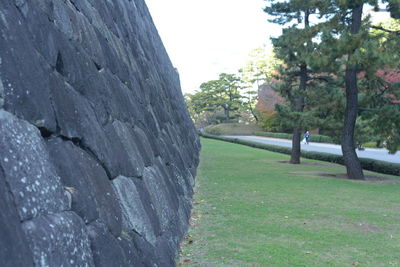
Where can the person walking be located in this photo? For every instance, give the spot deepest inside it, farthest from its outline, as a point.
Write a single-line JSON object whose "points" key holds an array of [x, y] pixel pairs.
{"points": [[307, 137]]}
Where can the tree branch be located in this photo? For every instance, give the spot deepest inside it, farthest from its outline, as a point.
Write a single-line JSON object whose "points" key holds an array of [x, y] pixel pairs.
{"points": [[319, 78], [385, 30]]}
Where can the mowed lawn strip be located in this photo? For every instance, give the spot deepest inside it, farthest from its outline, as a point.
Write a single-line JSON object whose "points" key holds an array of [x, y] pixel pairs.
{"points": [[253, 209]]}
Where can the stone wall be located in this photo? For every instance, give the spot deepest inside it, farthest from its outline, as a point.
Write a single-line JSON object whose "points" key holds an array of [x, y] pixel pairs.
{"points": [[97, 152]]}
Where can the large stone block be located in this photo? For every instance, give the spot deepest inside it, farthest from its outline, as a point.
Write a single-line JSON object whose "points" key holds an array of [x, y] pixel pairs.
{"points": [[148, 256], [144, 147], [59, 240], [176, 192], [107, 251], [132, 163], [14, 250], [130, 251], [73, 111], [134, 212], [93, 196], [32, 179], [165, 204], [24, 73]]}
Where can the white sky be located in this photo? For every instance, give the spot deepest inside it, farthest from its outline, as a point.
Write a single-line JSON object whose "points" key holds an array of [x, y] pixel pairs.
{"points": [[207, 37], [204, 38]]}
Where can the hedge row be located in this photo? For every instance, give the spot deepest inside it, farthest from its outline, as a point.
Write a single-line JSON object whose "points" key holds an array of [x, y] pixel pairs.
{"points": [[367, 164], [232, 129], [317, 138]]}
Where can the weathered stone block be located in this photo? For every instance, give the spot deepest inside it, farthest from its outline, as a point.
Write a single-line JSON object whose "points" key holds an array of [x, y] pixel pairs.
{"points": [[148, 256], [144, 147], [93, 196], [32, 179], [130, 251], [135, 215], [14, 250], [164, 203], [106, 249], [132, 162], [26, 87], [59, 240]]}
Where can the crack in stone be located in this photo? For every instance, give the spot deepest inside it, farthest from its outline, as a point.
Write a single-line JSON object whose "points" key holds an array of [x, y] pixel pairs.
{"points": [[75, 6], [60, 64], [77, 141]]}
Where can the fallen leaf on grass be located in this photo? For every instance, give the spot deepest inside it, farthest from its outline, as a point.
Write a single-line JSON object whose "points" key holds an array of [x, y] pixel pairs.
{"points": [[186, 260]]}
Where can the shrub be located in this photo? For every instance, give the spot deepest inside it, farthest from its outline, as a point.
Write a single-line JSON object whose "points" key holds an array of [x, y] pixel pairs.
{"points": [[274, 135], [232, 129], [367, 164]]}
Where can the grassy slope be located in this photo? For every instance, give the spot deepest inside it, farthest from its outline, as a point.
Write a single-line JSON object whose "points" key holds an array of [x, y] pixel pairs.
{"points": [[251, 210]]}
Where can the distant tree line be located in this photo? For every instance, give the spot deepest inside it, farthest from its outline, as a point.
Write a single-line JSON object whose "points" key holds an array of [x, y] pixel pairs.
{"points": [[233, 97]]}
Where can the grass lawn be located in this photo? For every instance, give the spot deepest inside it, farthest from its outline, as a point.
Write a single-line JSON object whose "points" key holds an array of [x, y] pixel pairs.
{"points": [[252, 209]]}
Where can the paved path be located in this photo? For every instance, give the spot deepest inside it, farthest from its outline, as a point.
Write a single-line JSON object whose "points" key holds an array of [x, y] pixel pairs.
{"points": [[373, 153]]}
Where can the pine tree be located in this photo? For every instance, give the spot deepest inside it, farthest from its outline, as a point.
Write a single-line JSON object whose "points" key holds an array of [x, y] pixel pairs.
{"points": [[345, 48], [347, 42], [215, 96], [380, 90], [295, 48]]}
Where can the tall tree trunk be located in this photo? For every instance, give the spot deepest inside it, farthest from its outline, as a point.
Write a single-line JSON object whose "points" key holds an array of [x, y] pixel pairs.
{"points": [[296, 153], [353, 165], [299, 107]]}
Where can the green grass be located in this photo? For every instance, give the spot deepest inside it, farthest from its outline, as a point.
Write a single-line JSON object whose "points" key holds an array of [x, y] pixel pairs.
{"points": [[251, 209], [232, 129]]}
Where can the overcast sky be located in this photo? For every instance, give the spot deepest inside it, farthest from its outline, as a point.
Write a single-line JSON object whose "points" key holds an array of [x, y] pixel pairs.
{"points": [[208, 37]]}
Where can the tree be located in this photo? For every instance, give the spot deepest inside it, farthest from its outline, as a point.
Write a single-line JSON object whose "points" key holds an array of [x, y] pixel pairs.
{"points": [[353, 165], [295, 48], [198, 111], [381, 106], [338, 42], [347, 40], [227, 94], [214, 96], [259, 69]]}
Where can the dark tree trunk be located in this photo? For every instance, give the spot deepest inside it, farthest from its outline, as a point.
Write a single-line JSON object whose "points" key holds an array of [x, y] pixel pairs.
{"points": [[253, 113], [351, 161], [226, 111], [295, 156], [299, 107]]}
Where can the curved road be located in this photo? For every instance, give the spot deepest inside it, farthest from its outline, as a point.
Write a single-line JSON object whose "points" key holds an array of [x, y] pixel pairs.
{"points": [[373, 153]]}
